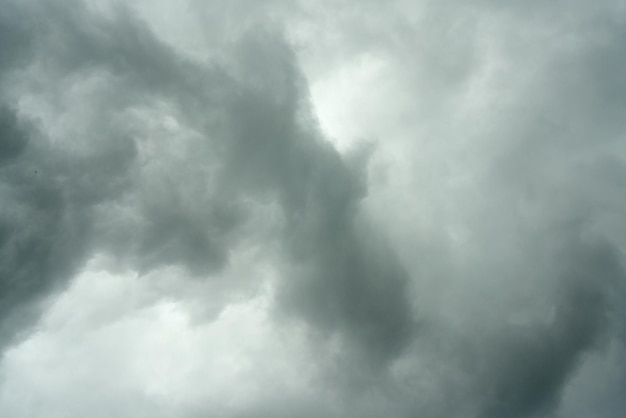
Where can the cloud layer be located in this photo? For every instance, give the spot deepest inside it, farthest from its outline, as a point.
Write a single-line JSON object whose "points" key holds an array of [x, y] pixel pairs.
{"points": [[312, 209]]}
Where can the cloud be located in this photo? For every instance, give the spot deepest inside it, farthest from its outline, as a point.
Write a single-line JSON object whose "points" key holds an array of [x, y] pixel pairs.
{"points": [[460, 255], [264, 148]]}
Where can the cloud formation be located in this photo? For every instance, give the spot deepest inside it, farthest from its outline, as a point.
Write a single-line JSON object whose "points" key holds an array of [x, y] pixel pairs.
{"points": [[184, 234]]}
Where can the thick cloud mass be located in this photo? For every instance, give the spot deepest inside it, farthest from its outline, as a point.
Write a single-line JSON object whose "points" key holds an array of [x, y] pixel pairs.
{"points": [[338, 209]]}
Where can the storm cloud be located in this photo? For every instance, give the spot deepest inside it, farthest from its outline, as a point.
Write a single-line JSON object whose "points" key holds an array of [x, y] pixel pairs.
{"points": [[312, 209]]}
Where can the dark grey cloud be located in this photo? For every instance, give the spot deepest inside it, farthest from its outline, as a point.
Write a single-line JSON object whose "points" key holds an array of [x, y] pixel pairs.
{"points": [[265, 146], [530, 366], [116, 143]]}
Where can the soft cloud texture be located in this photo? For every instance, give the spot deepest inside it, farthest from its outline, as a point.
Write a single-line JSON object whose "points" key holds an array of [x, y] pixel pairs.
{"points": [[312, 209]]}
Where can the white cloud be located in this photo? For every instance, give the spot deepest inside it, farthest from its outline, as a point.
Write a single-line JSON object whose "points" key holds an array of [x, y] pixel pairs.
{"points": [[113, 344]]}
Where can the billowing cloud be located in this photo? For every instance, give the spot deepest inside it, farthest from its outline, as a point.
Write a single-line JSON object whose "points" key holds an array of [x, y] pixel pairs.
{"points": [[311, 209]]}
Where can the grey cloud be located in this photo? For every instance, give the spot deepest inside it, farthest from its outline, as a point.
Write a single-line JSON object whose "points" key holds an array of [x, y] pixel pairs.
{"points": [[517, 360], [265, 146], [112, 141], [13, 139], [50, 191], [343, 278], [531, 367], [534, 169]]}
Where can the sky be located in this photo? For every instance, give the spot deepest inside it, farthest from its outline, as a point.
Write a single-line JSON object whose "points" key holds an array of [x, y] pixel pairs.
{"points": [[312, 208]]}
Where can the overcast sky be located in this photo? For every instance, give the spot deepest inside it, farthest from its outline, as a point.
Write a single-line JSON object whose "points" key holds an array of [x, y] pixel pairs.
{"points": [[312, 208]]}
